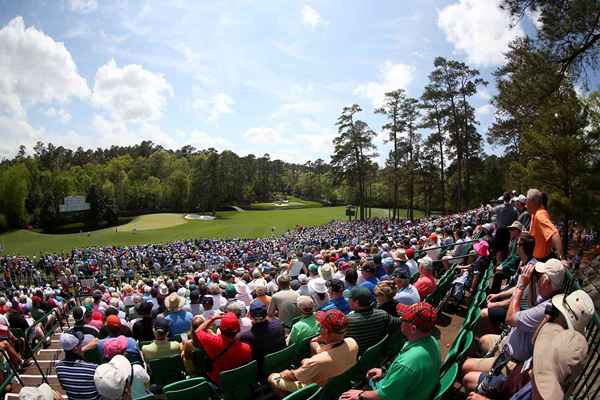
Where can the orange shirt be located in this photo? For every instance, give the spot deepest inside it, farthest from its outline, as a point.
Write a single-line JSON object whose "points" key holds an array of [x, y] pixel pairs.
{"points": [[542, 230]]}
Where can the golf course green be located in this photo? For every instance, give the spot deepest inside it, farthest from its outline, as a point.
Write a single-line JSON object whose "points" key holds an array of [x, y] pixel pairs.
{"points": [[159, 228]]}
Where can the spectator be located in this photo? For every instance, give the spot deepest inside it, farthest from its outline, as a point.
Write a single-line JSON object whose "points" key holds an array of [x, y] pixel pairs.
{"points": [[42, 392], [415, 371], [180, 320], [561, 328], [123, 327], [509, 265], [307, 325], [497, 304], [303, 290], [161, 346], [142, 328], [119, 379], [115, 343], [224, 349], [368, 278], [261, 295], [547, 282], [75, 375], [506, 214], [406, 293], [239, 309], [318, 291], [284, 302], [266, 336], [426, 283], [82, 318], [189, 346], [384, 294], [524, 217], [367, 325], [542, 229], [334, 356], [336, 296]]}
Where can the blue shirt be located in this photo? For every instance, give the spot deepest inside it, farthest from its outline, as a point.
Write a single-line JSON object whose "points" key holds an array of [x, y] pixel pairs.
{"points": [[339, 303], [407, 296], [181, 322]]}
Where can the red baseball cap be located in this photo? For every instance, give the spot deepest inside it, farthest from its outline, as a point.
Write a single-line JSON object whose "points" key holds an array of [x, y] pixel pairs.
{"points": [[113, 322], [410, 252], [230, 323], [333, 320], [422, 315]]}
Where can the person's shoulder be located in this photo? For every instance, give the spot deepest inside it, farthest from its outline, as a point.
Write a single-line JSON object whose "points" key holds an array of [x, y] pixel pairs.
{"points": [[351, 343]]}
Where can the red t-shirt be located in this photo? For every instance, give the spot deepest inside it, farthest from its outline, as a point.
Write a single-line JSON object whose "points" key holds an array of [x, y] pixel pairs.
{"points": [[236, 356], [425, 285]]}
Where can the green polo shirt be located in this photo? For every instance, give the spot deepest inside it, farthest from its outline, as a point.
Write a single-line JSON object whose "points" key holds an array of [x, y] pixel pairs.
{"points": [[304, 328], [510, 265], [414, 374]]}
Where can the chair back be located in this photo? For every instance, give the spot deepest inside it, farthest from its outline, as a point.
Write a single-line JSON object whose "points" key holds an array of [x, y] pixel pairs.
{"points": [[280, 360], [239, 383], [166, 370], [303, 394]]}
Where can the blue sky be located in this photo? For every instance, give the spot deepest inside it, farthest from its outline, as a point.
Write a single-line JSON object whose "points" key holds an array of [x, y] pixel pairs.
{"points": [[249, 75]]}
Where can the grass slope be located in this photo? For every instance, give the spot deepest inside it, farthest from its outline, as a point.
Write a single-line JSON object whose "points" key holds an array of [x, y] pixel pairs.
{"points": [[231, 224], [293, 203], [153, 221]]}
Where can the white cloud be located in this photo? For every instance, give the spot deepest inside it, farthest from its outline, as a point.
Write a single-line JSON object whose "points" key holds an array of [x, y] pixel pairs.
{"points": [[15, 132], [216, 106], [202, 140], [59, 114], [478, 28], [83, 6], [310, 16], [486, 109], [391, 77], [130, 93], [111, 131], [35, 69], [262, 135]]}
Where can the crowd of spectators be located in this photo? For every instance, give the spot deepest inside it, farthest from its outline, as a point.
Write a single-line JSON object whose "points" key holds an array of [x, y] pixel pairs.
{"points": [[342, 286]]}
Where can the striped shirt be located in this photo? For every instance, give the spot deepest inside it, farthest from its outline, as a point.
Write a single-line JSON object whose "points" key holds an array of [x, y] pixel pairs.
{"points": [[369, 326], [77, 379]]}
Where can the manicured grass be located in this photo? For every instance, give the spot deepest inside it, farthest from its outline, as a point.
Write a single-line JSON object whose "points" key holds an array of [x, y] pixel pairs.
{"points": [[293, 203], [153, 221], [230, 224]]}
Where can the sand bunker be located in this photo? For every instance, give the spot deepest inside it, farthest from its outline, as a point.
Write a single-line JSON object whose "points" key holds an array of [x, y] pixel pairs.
{"points": [[197, 217]]}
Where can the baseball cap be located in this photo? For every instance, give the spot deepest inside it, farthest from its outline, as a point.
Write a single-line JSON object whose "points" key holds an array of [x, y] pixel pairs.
{"points": [[161, 324], [42, 392], [113, 322], [313, 268], [303, 279], [516, 225], [577, 308], [70, 341], [410, 252], [336, 285], [258, 309], [557, 352], [230, 323], [362, 295], [401, 272], [230, 291], [482, 248], [112, 377], [554, 270], [305, 303], [422, 315], [333, 321]]}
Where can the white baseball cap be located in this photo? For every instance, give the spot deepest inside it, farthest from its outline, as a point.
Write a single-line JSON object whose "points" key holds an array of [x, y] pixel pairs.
{"points": [[42, 392], [112, 377]]}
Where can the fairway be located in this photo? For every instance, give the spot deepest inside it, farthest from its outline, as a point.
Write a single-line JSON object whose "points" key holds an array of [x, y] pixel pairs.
{"points": [[230, 224], [153, 221]]}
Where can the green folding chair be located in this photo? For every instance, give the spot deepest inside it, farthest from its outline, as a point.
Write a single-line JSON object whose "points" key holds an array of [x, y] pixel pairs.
{"points": [[447, 381], [369, 359], [239, 383], [280, 360], [184, 384], [200, 391], [303, 394], [303, 348], [145, 397], [166, 370], [337, 385]]}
